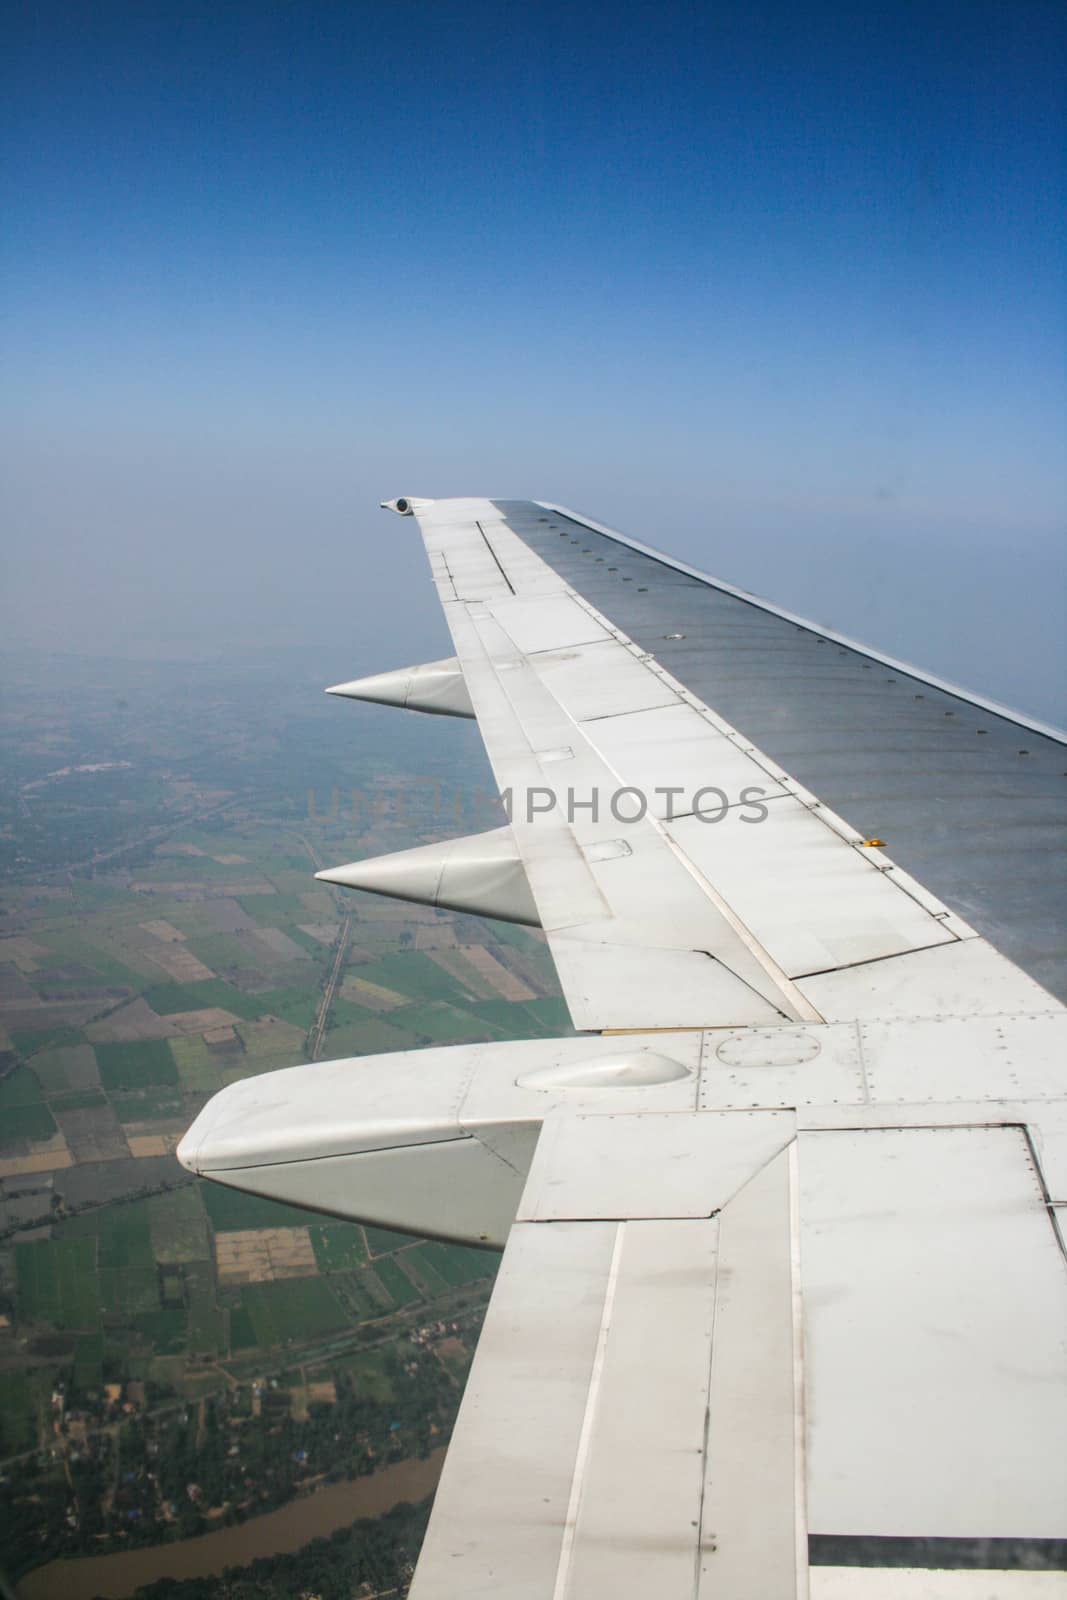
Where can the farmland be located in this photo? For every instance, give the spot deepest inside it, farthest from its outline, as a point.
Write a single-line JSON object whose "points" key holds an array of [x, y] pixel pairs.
{"points": [[161, 936]]}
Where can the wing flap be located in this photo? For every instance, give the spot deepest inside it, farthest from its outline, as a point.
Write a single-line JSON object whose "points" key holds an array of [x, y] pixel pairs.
{"points": [[621, 1410]]}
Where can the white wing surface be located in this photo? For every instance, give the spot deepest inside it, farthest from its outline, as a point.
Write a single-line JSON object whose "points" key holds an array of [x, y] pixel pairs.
{"points": [[783, 1303]]}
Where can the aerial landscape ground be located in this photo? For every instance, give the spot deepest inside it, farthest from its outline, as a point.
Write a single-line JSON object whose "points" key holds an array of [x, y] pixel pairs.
{"points": [[179, 1361]]}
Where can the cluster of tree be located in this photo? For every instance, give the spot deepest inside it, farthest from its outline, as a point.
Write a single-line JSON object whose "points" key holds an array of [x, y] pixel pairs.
{"points": [[171, 1470]]}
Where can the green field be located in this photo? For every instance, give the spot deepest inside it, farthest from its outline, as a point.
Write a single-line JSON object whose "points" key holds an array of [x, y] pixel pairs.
{"points": [[23, 1395], [433, 1281], [26, 1122], [167, 998], [136, 1064], [127, 1291], [164, 1331], [460, 1263], [178, 1225], [23, 1114], [338, 1247], [231, 1210], [57, 1282], [382, 1241], [395, 1281], [437, 1022], [152, 1103], [197, 1068], [294, 1309]]}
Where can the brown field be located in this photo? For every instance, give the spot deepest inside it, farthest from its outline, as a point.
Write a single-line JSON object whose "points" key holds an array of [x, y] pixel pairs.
{"points": [[227, 915], [135, 1021], [163, 930], [58, 1013], [258, 1255], [435, 936], [184, 889], [324, 932], [206, 1020], [23, 952], [371, 910], [179, 963], [221, 1035], [231, 860], [151, 1144], [93, 1134], [279, 945], [47, 1157], [507, 984]]}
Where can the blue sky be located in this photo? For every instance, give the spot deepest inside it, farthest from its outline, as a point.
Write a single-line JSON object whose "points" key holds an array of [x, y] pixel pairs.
{"points": [[779, 288]]}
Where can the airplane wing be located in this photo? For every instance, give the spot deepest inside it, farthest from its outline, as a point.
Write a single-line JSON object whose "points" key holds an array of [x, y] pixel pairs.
{"points": [[783, 1303]]}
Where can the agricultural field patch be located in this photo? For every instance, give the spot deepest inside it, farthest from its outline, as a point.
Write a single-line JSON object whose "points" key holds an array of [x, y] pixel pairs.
{"points": [[460, 1263], [164, 1331], [27, 1122], [150, 1104], [196, 1067], [414, 973], [242, 1330], [123, 1236], [88, 1370], [92, 953], [57, 1282], [371, 996], [189, 1024], [128, 1291], [163, 930], [224, 916], [136, 1064], [143, 1145], [383, 1241], [417, 1261], [398, 1286], [178, 1224], [437, 1022], [178, 962], [233, 1209], [292, 1310], [23, 1113], [506, 983], [278, 945], [92, 1132], [45, 1155], [271, 1043], [24, 953], [262, 1255], [19, 1088], [206, 1330], [23, 1402], [68, 1068], [169, 998], [367, 1035], [456, 963], [130, 1022], [338, 1247], [296, 1006]]}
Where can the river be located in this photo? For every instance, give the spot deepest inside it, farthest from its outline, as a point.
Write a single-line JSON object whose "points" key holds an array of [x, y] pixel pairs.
{"points": [[336, 1506]]}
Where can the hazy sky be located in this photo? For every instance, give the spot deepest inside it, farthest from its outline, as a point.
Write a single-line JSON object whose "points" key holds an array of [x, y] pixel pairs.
{"points": [[777, 287]]}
